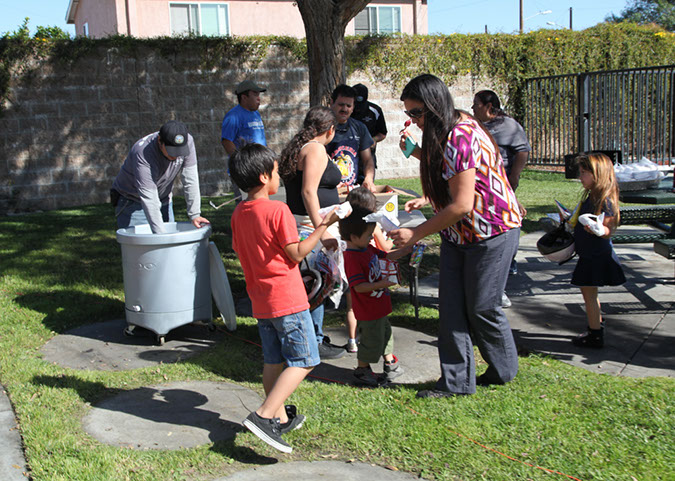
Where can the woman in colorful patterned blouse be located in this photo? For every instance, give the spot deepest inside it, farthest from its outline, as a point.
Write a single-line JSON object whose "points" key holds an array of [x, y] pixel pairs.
{"points": [[479, 220]]}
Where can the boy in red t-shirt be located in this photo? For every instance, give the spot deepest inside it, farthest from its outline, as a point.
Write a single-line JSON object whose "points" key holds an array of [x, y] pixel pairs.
{"points": [[370, 297], [265, 238]]}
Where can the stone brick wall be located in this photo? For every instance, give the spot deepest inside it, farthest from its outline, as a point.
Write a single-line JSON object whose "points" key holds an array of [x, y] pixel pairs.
{"points": [[66, 130]]}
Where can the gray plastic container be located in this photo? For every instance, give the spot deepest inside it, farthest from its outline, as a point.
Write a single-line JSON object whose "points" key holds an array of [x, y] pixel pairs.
{"points": [[166, 276]]}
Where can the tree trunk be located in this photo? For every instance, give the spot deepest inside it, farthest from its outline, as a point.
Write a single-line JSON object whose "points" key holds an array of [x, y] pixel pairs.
{"points": [[325, 23]]}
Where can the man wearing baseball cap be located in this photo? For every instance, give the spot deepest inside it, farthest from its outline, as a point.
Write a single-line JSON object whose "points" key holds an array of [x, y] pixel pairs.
{"points": [[243, 122], [141, 192]]}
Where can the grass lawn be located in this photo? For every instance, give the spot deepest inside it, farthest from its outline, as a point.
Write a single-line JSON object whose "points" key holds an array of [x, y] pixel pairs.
{"points": [[62, 269]]}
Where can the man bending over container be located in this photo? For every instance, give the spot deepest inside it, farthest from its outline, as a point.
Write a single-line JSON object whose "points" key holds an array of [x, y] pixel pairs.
{"points": [[141, 192]]}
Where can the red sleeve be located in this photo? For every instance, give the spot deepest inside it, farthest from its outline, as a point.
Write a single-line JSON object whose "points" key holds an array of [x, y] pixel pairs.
{"points": [[286, 227], [233, 221], [354, 269]]}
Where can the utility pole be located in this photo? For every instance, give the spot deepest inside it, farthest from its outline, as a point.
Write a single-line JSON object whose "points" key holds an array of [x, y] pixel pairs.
{"points": [[522, 22], [570, 18]]}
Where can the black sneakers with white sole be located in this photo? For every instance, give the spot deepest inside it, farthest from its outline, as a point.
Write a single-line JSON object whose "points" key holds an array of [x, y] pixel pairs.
{"points": [[268, 430]]}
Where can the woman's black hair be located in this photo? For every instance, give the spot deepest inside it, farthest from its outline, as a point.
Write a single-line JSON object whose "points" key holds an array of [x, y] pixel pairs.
{"points": [[317, 121], [249, 162], [440, 117], [489, 97]]}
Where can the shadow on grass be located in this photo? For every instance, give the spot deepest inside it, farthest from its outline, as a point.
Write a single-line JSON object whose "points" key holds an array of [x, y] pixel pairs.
{"points": [[66, 309], [63, 247]]}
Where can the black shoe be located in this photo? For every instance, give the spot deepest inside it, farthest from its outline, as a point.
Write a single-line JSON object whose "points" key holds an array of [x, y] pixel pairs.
{"points": [[592, 338], [330, 351], [268, 430], [435, 393], [482, 380], [295, 420], [393, 369], [366, 376]]}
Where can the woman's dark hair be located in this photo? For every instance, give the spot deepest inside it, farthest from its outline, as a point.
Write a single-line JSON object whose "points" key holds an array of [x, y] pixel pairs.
{"points": [[489, 97], [440, 117], [249, 162], [317, 121]]}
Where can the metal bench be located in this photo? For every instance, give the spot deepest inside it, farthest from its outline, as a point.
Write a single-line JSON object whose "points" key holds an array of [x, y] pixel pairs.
{"points": [[659, 216], [665, 248]]}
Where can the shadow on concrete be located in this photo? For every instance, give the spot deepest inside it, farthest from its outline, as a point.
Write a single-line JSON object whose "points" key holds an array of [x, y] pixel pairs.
{"points": [[103, 346], [174, 416], [548, 312]]}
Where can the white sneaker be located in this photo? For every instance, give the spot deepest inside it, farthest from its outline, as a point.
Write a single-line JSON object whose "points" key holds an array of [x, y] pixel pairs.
{"points": [[352, 346], [506, 302]]}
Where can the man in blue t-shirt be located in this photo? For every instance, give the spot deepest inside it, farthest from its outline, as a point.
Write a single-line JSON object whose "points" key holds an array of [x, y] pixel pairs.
{"points": [[350, 148], [243, 122]]}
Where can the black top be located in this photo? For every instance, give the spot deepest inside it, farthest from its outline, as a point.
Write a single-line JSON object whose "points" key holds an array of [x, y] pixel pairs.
{"points": [[327, 192], [598, 264], [371, 115], [587, 244]]}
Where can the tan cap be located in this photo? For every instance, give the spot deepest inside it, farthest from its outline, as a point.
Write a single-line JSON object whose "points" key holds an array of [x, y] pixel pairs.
{"points": [[247, 85]]}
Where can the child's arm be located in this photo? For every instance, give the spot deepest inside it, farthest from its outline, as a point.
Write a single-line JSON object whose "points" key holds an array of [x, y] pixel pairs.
{"points": [[381, 240], [608, 223], [366, 287], [297, 251]]}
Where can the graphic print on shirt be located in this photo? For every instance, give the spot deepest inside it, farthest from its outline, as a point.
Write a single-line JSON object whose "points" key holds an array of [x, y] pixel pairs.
{"points": [[346, 159], [374, 275], [496, 208]]}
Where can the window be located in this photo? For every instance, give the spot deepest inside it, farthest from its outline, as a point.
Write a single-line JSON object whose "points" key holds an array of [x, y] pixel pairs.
{"points": [[199, 19], [85, 29], [378, 20]]}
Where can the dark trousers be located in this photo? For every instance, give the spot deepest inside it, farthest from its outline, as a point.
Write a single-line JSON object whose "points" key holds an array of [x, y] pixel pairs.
{"points": [[472, 280]]}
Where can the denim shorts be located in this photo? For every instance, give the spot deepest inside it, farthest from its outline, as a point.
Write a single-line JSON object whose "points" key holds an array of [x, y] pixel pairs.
{"points": [[290, 339]]}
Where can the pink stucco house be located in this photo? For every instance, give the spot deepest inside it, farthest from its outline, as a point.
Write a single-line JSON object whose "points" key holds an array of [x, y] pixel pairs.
{"points": [[152, 18]]}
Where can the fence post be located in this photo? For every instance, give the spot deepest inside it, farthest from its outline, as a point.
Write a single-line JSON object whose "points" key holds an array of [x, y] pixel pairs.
{"points": [[583, 99]]}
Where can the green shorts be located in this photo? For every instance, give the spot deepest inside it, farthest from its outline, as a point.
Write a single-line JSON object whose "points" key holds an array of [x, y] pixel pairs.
{"points": [[375, 340]]}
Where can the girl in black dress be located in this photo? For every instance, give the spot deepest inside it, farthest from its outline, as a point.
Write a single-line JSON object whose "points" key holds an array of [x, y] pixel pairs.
{"points": [[598, 264]]}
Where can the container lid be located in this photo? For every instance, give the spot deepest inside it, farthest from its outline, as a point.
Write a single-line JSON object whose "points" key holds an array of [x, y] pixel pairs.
{"points": [[220, 288], [176, 233]]}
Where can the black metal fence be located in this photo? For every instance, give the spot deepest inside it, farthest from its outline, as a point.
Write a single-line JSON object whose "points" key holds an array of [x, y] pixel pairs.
{"points": [[632, 111]]}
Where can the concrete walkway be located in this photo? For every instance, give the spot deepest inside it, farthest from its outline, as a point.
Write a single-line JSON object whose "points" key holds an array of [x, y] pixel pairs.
{"points": [[319, 470], [171, 416], [104, 346], [547, 311], [12, 461]]}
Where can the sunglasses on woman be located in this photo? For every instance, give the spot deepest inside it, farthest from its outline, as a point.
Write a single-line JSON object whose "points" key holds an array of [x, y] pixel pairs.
{"points": [[414, 113]]}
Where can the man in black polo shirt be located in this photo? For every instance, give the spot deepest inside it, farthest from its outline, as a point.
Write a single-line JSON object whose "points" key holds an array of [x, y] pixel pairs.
{"points": [[372, 116]]}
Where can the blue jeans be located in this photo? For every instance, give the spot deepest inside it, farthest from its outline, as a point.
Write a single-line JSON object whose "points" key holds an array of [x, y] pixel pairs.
{"points": [[289, 339], [130, 213]]}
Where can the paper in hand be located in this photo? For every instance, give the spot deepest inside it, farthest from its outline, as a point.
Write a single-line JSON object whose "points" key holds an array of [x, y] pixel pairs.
{"points": [[343, 211], [386, 223]]}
